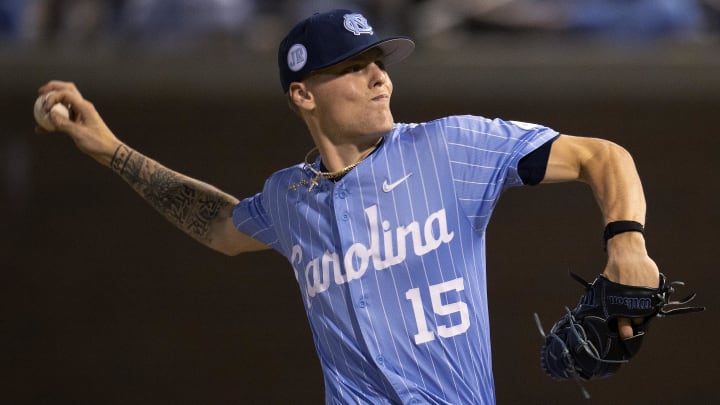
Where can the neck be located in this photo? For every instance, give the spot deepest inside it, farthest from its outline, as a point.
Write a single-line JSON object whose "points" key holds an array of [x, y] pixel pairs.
{"points": [[336, 157], [335, 172]]}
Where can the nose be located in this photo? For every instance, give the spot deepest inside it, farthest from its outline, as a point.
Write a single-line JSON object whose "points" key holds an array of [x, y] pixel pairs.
{"points": [[378, 76]]}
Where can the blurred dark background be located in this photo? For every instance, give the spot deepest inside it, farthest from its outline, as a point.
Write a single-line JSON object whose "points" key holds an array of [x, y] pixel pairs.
{"points": [[102, 302]]}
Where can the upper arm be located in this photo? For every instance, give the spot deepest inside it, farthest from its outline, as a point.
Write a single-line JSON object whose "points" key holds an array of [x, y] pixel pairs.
{"points": [[569, 157]]}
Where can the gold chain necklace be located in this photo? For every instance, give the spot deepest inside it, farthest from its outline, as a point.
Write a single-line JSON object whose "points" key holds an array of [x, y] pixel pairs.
{"points": [[328, 175]]}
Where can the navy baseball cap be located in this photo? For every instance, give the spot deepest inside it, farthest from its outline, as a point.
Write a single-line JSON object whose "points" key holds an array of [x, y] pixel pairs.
{"points": [[325, 39]]}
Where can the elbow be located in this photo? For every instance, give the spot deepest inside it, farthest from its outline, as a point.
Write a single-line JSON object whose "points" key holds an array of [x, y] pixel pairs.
{"points": [[606, 157], [614, 154], [619, 156], [618, 151], [235, 244], [229, 252], [227, 249]]}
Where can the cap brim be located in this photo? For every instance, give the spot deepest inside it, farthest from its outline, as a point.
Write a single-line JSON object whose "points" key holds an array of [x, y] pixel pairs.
{"points": [[394, 50]]}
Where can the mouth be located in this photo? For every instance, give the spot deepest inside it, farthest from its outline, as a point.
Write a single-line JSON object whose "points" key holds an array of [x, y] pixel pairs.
{"points": [[381, 97]]}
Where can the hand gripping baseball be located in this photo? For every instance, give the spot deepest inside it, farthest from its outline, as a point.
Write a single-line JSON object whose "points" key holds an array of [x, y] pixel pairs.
{"points": [[585, 342], [84, 125]]}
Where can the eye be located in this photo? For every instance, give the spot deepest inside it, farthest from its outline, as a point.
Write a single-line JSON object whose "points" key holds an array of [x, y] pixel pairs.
{"points": [[353, 68], [380, 64]]}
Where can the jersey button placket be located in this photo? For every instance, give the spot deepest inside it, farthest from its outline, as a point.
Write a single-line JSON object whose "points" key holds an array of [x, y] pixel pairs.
{"points": [[342, 193]]}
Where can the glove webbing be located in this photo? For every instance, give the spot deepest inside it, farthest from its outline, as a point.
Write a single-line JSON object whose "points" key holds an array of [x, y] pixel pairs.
{"points": [[586, 344]]}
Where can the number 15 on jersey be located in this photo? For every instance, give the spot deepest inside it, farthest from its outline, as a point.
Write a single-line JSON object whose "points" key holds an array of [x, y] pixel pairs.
{"points": [[440, 309]]}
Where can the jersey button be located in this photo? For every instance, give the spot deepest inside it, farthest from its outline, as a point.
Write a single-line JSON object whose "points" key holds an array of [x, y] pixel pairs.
{"points": [[362, 303], [345, 216], [380, 359], [341, 191]]}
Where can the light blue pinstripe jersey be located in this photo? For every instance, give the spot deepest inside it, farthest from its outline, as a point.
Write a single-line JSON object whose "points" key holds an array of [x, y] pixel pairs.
{"points": [[390, 259]]}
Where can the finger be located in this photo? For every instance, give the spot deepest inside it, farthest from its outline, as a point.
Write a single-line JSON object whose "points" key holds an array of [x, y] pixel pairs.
{"points": [[64, 96], [70, 98], [625, 329], [57, 85]]}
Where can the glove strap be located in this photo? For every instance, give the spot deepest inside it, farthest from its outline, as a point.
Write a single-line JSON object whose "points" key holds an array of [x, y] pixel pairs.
{"points": [[616, 227]]}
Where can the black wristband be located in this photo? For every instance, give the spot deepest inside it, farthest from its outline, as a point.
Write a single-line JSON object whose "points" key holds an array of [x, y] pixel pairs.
{"points": [[616, 227]]}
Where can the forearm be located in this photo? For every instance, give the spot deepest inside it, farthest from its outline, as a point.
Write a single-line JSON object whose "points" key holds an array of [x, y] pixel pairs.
{"points": [[610, 172], [616, 184], [194, 207], [198, 209]]}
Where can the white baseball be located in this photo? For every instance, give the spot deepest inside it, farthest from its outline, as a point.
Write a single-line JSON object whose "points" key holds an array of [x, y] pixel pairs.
{"points": [[42, 117]]}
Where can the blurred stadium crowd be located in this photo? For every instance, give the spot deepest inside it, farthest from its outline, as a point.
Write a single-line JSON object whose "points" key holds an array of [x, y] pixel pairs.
{"points": [[259, 24]]}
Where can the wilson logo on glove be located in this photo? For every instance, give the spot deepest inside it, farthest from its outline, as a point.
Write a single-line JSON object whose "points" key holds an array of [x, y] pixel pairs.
{"points": [[630, 303]]}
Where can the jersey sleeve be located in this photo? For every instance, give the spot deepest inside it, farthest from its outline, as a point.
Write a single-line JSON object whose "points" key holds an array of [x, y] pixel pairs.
{"points": [[532, 167], [484, 155], [251, 218]]}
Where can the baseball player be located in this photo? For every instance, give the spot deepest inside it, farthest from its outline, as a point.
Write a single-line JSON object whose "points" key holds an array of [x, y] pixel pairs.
{"points": [[383, 223]]}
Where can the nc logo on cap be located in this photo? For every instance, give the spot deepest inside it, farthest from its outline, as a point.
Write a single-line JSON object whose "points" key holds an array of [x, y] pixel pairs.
{"points": [[296, 57], [357, 24]]}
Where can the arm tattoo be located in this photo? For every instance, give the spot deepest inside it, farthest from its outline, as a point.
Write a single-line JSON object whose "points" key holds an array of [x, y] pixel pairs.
{"points": [[190, 205]]}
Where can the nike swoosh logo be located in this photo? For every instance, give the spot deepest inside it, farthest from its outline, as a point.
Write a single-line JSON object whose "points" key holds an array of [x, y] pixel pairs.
{"points": [[389, 187]]}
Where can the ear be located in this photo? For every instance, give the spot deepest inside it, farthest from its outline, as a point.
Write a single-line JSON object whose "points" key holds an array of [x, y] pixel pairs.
{"points": [[300, 96]]}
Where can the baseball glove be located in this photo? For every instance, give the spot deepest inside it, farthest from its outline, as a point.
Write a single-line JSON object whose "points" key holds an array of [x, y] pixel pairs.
{"points": [[585, 342]]}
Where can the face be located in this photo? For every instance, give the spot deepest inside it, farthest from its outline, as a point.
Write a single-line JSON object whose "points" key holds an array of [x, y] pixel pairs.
{"points": [[352, 98]]}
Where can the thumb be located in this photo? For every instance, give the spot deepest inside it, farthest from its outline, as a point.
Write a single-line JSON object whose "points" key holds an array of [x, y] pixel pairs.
{"points": [[60, 118]]}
